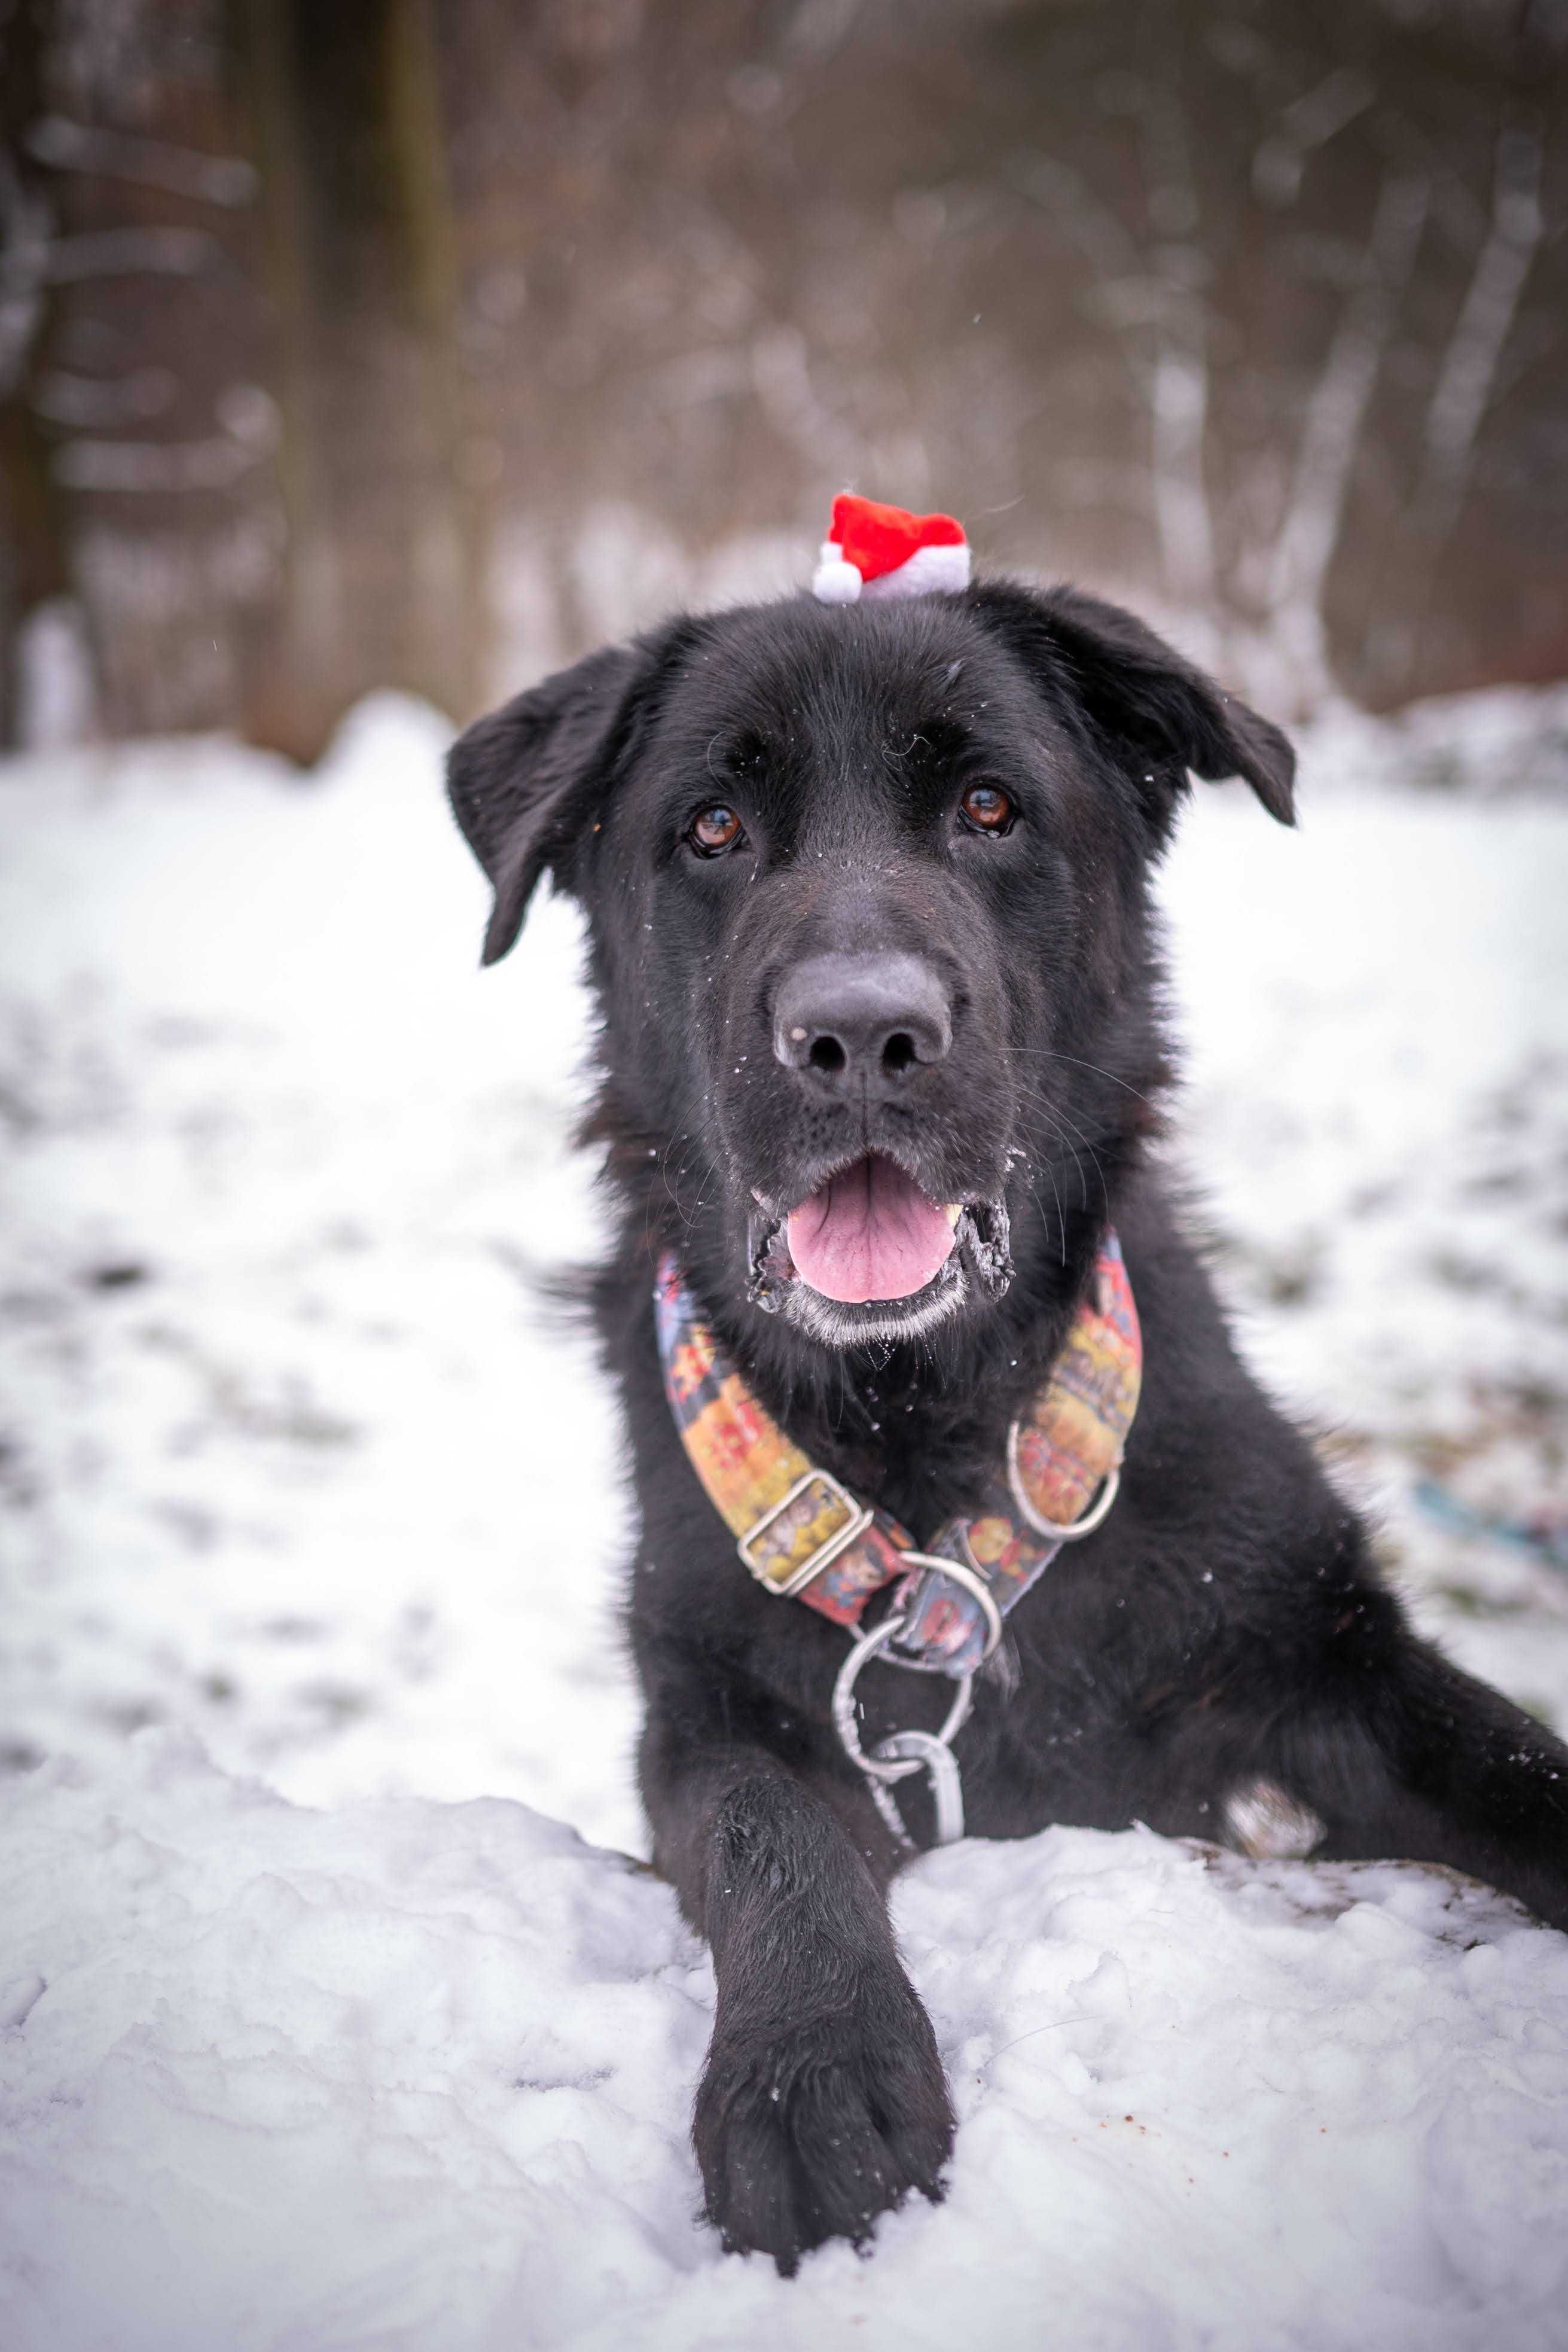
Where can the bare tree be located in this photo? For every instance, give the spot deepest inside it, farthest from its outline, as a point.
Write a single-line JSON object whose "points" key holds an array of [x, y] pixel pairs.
{"points": [[352, 337]]}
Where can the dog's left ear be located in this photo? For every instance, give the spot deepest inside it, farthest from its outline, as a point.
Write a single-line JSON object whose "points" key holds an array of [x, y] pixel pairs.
{"points": [[1159, 716], [523, 783]]}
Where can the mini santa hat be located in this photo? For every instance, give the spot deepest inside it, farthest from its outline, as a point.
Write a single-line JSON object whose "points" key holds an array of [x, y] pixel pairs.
{"points": [[876, 551]]}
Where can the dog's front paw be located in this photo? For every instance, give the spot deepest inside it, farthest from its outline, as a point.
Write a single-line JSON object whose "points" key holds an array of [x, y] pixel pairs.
{"points": [[809, 2128]]}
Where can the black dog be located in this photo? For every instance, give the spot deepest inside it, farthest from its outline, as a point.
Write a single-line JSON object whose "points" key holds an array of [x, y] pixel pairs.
{"points": [[867, 896]]}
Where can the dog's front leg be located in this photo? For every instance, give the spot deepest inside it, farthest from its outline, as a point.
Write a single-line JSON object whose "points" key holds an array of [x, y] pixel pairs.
{"points": [[823, 2101]]}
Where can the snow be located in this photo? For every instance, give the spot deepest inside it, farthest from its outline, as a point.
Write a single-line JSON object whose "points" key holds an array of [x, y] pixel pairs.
{"points": [[408, 2074], [1379, 1100], [299, 1485], [314, 2031]]}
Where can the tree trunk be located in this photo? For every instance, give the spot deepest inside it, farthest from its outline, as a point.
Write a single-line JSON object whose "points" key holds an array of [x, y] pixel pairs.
{"points": [[382, 569], [32, 534]]}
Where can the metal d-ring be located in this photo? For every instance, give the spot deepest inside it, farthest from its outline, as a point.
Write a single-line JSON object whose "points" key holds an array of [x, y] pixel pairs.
{"points": [[1084, 1525]]}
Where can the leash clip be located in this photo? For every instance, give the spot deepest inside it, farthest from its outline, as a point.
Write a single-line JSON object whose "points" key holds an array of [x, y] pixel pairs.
{"points": [[904, 1752]]}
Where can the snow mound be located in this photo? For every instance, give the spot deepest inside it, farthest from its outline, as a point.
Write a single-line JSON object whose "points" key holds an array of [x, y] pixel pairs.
{"points": [[418, 2075], [1498, 742]]}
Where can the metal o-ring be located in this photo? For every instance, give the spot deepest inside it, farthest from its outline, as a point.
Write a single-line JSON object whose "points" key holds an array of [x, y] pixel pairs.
{"points": [[843, 1703], [973, 1582]]}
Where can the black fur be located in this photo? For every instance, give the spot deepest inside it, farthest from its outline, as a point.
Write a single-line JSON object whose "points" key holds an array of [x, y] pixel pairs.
{"points": [[1227, 1623]]}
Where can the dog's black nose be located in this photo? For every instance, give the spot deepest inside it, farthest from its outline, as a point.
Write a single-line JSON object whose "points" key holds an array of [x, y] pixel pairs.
{"points": [[850, 1016]]}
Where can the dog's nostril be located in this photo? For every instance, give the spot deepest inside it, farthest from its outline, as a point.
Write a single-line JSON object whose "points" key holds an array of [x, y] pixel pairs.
{"points": [[872, 1018]]}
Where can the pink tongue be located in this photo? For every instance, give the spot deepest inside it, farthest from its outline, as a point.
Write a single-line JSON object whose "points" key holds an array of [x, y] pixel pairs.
{"points": [[870, 1233]]}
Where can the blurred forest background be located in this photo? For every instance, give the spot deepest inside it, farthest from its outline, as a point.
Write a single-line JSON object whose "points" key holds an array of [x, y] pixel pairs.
{"points": [[423, 343]]}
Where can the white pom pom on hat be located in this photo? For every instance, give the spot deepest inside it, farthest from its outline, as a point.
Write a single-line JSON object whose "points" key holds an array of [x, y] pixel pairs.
{"points": [[886, 552], [834, 582]]}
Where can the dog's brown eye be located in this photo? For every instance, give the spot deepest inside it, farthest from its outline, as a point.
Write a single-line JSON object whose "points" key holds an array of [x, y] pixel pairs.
{"points": [[986, 809], [716, 829]]}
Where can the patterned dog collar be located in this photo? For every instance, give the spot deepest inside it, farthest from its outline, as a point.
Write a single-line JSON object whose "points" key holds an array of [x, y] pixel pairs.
{"points": [[800, 1532]]}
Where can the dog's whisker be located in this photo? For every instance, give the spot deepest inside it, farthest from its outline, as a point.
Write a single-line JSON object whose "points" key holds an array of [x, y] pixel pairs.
{"points": [[1049, 1054], [1105, 1188]]}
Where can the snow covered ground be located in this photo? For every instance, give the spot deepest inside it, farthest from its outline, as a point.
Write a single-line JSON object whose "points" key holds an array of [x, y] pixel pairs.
{"points": [[291, 1461], [408, 2075]]}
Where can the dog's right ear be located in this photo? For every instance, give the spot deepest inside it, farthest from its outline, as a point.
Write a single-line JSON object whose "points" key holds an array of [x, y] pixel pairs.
{"points": [[522, 782]]}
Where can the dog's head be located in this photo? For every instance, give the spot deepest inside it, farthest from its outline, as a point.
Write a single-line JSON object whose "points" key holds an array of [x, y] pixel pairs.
{"points": [[866, 896]]}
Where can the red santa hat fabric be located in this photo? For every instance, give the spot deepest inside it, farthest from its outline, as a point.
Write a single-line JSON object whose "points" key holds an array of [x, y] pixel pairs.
{"points": [[877, 550]]}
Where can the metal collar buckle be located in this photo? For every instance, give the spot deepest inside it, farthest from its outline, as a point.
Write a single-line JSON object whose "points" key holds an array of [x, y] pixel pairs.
{"points": [[857, 1519]]}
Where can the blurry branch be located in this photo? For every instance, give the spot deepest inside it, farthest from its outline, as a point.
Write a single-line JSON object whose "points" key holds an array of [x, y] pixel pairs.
{"points": [[96, 403], [1155, 304], [1108, 248], [1154, 296], [149, 466], [818, 28], [132, 253], [783, 380], [25, 229], [291, 702], [120, 155], [1469, 370], [1309, 123], [1331, 433], [717, 371], [1178, 392]]}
